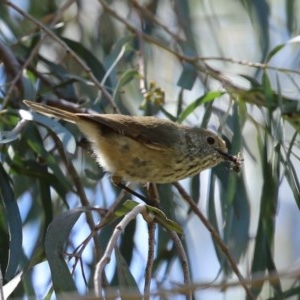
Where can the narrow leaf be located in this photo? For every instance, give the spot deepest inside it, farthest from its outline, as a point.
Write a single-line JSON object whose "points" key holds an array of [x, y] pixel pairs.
{"points": [[14, 224], [208, 97], [125, 78], [10, 286], [127, 282], [55, 241], [187, 77], [62, 133], [92, 62]]}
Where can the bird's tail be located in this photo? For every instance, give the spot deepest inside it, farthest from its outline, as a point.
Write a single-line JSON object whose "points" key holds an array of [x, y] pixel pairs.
{"points": [[52, 111]]}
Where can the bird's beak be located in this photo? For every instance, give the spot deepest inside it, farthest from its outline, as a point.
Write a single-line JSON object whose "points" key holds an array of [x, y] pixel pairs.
{"points": [[236, 160], [227, 156]]}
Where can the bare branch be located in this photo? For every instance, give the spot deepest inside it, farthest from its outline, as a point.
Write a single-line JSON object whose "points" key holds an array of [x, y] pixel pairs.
{"points": [[215, 236]]}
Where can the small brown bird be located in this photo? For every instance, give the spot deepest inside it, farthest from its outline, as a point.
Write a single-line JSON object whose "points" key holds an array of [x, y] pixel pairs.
{"points": [[146, 149]]}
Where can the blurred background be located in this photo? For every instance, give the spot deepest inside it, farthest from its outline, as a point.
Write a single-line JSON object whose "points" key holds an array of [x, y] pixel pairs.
{"points": [[231, 66]]}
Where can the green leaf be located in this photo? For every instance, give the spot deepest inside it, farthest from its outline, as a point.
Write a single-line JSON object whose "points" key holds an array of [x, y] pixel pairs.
{"points": [[167, 114], [55, 242], [126, 77], [291, 173], [255, 84], [33, 169], [92, 62], [212, 216], [28, 89], [62, 133], [187, 77], [127, 206], [14, 224], [274, 51], [162, 220], [267, 90], [208, 97], [167, 205], [35, 143], [127, 282], [262, 259], [160, 217]]}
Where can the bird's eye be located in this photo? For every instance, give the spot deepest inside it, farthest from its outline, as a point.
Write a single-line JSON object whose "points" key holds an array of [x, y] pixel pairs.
{"points": [[210, 140]]}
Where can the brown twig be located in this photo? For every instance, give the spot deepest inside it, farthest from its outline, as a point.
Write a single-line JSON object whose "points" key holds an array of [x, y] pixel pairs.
{"points": [[194, 60], [150, 258], [184, 262], [79, 189], [222, 286], [139, 209], [154, 196], [215, 236]]}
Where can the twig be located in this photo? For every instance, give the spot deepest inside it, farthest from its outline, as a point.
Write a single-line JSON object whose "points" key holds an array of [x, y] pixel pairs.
{"points": [[216, 237], [150, 259], [139, 209], [154, 196], [249, 64], [222, 286], [65, 46], [79, 188], [149, 15], [184, 262], [36, 48], [182, 57]]}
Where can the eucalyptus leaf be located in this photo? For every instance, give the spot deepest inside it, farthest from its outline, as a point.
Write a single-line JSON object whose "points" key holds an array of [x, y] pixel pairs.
{"points": [[14, 224], [55, 242], [62, 133], [206, 98]]}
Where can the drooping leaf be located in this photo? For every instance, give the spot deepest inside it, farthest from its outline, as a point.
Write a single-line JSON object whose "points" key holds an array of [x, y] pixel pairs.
{"points": [[62, 133], [14, 224], [262, 260], [127, 283], [92, 62], [55, 242], [187, 77]]}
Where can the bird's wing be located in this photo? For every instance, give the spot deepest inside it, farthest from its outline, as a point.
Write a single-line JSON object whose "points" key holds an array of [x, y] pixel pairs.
{"points": [[152, 132]]}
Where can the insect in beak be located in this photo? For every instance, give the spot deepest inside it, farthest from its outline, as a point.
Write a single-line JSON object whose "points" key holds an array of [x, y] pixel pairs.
{"points": [[236, 160]]}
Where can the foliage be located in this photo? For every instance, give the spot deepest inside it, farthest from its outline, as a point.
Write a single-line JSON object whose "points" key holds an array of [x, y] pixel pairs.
{"points": [[59, 212]]}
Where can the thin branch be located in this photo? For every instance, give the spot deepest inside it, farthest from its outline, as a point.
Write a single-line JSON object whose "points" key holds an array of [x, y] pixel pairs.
{"points": [[222, 286], [215, 236], [150, 259], [79, 189], [184, 58], [36, 48], [146, 13], [154, 196], [249, 64], [184, 262], [139, 209], [51, 34]]}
